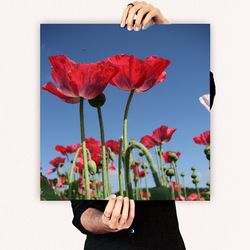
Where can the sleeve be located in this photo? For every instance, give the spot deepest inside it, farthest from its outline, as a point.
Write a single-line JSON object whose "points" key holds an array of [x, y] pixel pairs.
{"points": [[212, 89], [79, 206]]}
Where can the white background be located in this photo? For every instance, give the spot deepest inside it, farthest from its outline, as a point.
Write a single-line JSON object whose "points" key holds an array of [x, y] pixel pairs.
{"points": [[28, 224]]}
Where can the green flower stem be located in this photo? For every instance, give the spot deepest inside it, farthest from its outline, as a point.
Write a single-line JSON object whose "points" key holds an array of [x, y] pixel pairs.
{"points": [[84, 151], [134, 144], [176, 176], [146, 185], [71, 172], [136, 190], [120, 168], [125, 119], [198, 192], [104, 163], [164, 180], [172, 190], [108, 180], [184, 187], [157, 160], [175, 172]]}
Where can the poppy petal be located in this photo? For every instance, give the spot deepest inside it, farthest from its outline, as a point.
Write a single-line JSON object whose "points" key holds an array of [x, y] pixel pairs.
{"points": [[50, 87]]}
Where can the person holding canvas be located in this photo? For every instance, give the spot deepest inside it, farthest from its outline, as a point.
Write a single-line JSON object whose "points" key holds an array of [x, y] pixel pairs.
{"points": [[121, 223]]}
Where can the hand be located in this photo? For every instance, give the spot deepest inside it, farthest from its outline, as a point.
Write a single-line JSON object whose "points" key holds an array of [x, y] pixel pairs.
{"points": [[119, 214], [140, 15]]}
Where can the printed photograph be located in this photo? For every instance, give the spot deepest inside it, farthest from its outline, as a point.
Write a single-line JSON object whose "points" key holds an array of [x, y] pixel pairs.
{"points": [[125, 113]]}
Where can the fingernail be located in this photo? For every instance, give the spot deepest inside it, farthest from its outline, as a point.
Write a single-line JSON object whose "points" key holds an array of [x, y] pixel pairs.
{"points": [[122, 25], [129, 28], [136, 28]]}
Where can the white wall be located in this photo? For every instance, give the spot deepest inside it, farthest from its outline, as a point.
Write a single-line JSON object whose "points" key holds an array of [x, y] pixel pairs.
{"points": [[28, 224]]}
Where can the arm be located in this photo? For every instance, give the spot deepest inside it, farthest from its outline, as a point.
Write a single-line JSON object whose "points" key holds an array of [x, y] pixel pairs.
{"points": [[118, 215]]}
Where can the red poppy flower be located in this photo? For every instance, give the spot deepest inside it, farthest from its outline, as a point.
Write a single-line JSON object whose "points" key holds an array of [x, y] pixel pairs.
{"points": [[203, 138], [112, 167], [136, 74], [61, 182], [176, 187], [78, 168], [148, 141], [167, 158], [94, 147], [163, 134], [154, 72], [57, 162], [65, 150], [61, 149], [145, 195], [51, 171], [135, 164], [89, 80], [70, 149], [61, 68], [91, 185], [113, 145], [192, 197], [140, 173], [78, 80]]}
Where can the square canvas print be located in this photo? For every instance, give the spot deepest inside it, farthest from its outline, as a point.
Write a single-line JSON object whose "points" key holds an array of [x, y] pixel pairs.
{"points": [[125, 113]]}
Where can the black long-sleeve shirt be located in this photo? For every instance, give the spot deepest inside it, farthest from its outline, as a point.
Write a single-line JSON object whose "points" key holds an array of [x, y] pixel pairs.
{"points": [[155, 225]]}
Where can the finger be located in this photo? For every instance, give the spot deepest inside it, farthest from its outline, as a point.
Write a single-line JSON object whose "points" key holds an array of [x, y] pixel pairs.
{"points": [[131, 214], [124, 15], [125, 211], [149, 19], [131, 14], [141, 15], [111, 196], [116, 214], [109, 209]]}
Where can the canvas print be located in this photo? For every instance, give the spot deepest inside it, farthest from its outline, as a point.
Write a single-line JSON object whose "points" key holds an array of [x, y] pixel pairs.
{"points": [[125, 113]]}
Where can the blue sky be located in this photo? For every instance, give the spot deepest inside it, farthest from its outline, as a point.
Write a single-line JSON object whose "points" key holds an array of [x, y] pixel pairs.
{"points": [[173, 103]]}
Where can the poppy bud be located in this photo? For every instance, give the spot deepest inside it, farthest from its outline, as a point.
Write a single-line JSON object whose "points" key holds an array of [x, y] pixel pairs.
{"points": [[137, 163], [144, 165], [98, 101], [182, 174], [60, 165], [136, 177], [92, 167], [164, 168], [194, 175], [111, 156], [141, 153], [173, 157], [170, 172], [160, 152], [195, 181], [193, 168], [208, 184], [59, 173], [207, 152]]}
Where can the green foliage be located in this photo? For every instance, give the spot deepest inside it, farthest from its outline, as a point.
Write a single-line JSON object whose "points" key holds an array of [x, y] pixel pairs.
{"points": [[47, 192]]}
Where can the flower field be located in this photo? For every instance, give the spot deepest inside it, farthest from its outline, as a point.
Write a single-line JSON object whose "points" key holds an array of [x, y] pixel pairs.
{"points": [[83, 170]]}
